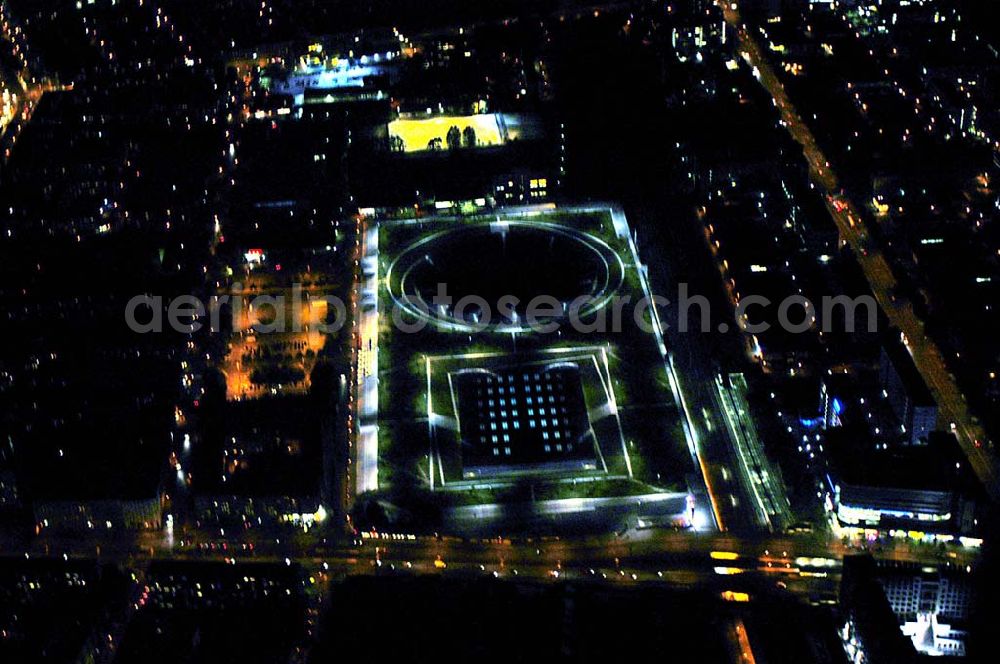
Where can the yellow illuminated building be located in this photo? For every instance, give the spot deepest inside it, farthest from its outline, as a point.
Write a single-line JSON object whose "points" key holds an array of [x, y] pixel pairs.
{"points": [[423, 133]]}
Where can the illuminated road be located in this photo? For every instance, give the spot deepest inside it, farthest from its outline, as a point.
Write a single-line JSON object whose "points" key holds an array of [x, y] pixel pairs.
{"points": [[758, 472], [805, 566], [926, 356], [740, 643]]}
